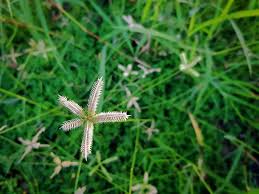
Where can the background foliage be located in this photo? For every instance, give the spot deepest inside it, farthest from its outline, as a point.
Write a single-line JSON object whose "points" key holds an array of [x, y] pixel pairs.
{"points": [[82, 40]]}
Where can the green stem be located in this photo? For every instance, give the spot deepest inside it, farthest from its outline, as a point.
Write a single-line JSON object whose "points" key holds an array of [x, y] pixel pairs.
{"points": [[133, 161], [78, 172]]}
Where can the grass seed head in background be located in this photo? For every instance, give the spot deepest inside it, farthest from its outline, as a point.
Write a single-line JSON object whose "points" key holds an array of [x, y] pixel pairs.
{"points": [[131, 23], [144, 187], [60, 164], [187, 67], [127, 71], [148, 70], [132, 100], [80, 190], [150, 130], [39, 48], [88, 117], [32, 144]]}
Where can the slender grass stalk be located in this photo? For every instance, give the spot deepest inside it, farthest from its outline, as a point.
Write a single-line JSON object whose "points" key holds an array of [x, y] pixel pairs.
{"points": [[78, 171], [133, 161]]}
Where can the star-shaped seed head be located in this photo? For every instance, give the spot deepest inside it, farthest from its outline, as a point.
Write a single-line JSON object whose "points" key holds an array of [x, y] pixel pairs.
{"points": [[89, 117]]}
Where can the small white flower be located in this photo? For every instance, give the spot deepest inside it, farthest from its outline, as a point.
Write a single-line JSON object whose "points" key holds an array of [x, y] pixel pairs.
{"points": [[127, 71], [187, 67]]}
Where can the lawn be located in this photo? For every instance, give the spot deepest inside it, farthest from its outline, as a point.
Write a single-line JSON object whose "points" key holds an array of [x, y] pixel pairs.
{"points": [[186, 71]]}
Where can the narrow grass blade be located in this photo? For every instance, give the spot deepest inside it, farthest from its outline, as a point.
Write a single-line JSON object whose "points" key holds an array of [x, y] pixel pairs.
{"points": [[243, 45]]}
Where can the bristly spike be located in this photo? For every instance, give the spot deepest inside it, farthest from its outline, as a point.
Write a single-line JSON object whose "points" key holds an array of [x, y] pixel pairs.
{"points": [[95, 95], [107, 117], [71, 124], [87, 141], [71, 105]]}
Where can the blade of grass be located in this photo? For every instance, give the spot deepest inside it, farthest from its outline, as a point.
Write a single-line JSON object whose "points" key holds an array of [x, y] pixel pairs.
{"points": [[9, 93], [224, 12], [29, 120], [9, 7], [146, 10], [43, 21], [99, 10], [90, 33], [243, 45], [235, 15], [232, 169], [133, 160], [78, 172]]}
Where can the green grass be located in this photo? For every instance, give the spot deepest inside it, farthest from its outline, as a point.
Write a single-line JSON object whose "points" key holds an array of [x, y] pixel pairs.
{"points": [[86, 40]]}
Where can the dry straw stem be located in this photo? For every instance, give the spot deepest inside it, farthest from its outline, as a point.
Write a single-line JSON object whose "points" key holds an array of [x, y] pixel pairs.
{"points": [[197, 129], [87, 118]]}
